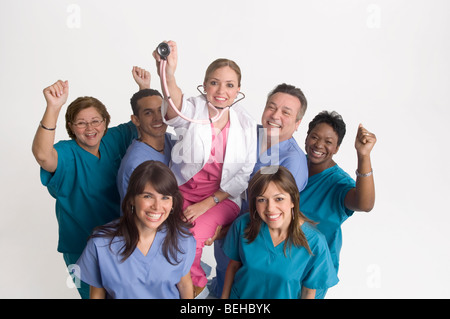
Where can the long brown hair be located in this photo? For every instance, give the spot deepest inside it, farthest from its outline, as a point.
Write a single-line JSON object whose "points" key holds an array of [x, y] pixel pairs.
{"points": [[164, 182], [284, 180]]}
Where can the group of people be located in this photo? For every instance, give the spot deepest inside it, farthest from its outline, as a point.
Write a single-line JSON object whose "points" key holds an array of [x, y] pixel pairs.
{"points": [[136, 205]]}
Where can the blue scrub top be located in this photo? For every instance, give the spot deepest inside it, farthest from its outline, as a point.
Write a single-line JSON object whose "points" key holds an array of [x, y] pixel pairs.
{"points": [[323, 201], [287, 154], [139, 276], [84, 186], [136, 154], [266, 272]]}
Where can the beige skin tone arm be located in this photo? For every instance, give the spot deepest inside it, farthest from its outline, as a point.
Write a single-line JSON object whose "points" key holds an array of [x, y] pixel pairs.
{"points": [[196, 210], [45, 154], [56, 96], [308, 293], [97, 293], [232, 268], [176, 94], [362, 197], [185, 287]]}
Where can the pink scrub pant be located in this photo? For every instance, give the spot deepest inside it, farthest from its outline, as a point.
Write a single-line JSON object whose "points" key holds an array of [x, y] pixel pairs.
{"points": [[204, 228]]}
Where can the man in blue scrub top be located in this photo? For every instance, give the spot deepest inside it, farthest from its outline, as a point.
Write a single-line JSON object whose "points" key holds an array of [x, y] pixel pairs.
{"points": [[154, 142], [285, 107]]}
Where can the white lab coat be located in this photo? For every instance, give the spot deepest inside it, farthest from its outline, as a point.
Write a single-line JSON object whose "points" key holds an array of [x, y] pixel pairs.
{"points": [[192, 150]]}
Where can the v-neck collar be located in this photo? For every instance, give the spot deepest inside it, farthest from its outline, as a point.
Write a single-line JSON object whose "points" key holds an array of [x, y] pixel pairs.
{"points": [[152, 252], [269, 242]]}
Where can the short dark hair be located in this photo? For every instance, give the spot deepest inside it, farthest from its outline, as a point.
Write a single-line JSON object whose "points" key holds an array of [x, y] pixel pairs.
{"points": [[139, 95], [81, 103], [333, 119], [294, 91]]}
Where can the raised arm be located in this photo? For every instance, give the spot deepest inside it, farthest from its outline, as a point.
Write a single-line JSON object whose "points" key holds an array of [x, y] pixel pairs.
{"points": [[176, 94], [142, 77], [362, 197], [43, 150]]}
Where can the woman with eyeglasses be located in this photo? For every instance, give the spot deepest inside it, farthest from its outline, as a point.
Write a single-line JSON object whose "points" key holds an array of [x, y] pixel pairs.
{"points": [[80, 173]]}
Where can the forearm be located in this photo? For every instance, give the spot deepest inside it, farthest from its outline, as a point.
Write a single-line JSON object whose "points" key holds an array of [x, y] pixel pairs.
{"points": [[97, 293], [219, 194], [362, 197], [232, 268], [308, 293], [42, 147], [194, 211], [185, 287], [209, 201]]}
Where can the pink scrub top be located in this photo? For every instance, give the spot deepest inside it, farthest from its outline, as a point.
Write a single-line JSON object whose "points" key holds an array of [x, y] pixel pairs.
{"points": [[207, 180]]}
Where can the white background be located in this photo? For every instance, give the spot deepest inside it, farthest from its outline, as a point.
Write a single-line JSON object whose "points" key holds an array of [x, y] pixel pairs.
{"points": [[382, 63]]}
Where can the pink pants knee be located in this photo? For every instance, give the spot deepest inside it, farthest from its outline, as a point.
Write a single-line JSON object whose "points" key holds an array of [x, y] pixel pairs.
{"points": [[204, 228]]}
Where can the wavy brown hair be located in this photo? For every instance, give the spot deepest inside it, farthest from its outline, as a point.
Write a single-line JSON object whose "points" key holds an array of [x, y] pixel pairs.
{"points": [[284, 180], [162, 179]]}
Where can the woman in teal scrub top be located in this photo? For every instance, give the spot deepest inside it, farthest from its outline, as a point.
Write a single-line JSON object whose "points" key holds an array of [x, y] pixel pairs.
{"points": [[275, 251], [80, 173], [331, 195]]}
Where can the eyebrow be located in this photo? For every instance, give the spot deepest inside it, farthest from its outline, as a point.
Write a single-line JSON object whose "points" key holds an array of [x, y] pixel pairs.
{"points": [[273, 195], [83, 119], [216, 79], [283, 106]]}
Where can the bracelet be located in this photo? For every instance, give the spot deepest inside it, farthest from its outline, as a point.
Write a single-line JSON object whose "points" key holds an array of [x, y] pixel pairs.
{"points": [[363, 175], [46, 128]]}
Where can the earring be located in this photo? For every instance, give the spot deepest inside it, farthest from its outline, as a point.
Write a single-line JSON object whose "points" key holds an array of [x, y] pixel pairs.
{"points": [[292, 212], [132, 209]]}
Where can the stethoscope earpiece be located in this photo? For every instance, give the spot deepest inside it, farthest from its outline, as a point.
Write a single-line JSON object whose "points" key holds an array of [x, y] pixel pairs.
{"points": [[220, 108]]}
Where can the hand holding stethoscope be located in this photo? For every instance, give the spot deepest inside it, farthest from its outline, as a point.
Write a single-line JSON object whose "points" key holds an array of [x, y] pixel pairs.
{"points": [[166, 57]]}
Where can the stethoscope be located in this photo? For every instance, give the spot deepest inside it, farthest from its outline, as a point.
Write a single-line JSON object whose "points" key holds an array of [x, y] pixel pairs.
{"points": [[164, 51]]}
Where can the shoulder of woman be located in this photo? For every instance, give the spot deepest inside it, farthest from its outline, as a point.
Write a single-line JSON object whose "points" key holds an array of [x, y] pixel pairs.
{"points": [[313, 235]]}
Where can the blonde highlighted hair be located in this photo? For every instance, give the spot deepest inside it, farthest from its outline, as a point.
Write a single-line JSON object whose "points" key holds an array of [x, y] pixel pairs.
{"points": [[220, 63]]}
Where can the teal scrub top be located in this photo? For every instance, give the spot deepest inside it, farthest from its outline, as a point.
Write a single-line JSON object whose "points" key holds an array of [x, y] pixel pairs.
{"points": [[266, 272], [84, 186], [323, 201]]}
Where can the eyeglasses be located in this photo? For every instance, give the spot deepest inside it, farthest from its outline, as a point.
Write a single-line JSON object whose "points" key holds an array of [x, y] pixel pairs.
{"points": [[94, 123]]}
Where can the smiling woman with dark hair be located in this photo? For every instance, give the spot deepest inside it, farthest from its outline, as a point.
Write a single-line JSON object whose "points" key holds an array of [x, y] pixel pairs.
{"points": [[275, 251], [148, 253]]}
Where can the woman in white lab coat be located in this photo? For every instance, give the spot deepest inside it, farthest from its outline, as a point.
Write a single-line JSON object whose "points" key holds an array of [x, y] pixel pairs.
{"points": [[212, 162]]}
